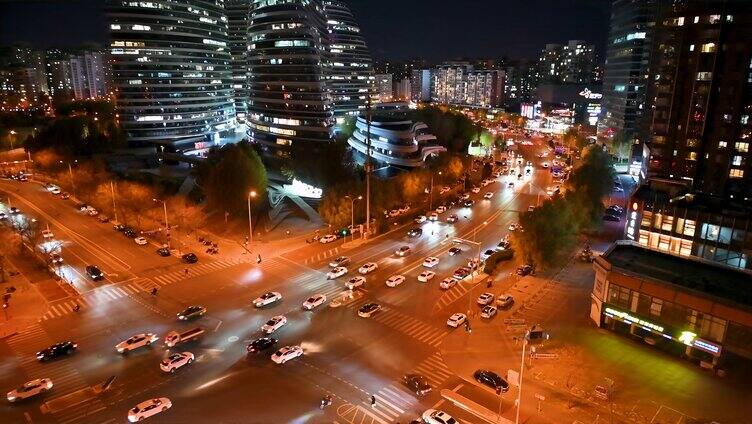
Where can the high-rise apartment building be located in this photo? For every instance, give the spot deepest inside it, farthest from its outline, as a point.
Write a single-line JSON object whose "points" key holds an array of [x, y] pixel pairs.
{"points": [[700, 98], [27, 57], [573, 62], [89, 75], [289, 101], [420, 85], [351, 77], [627, 59], [402, 90], [59, 75], [384, 87], [172, 72], [460, 84], [237, 22], [520, 81]]}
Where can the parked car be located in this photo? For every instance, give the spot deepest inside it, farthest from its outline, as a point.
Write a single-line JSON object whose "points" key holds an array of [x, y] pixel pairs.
{"points": [[417, 384], [492, 380]]}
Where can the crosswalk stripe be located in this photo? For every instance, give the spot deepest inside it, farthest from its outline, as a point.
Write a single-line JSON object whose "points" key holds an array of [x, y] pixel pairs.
{"points": [[111, 295], [385, 413], [383, 399], [58, 312], [395, 397]]}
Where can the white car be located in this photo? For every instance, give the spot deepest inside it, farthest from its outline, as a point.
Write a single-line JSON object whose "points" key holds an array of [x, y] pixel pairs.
{"points": [[336, 272], [431, 262], [464, 196], [447, 283], [140, 241], [433, 216], [441, 209], [355, 282], [394, 212], [30, 389], [54, 189], [488, 311], [514, 226], [403, 251], [314, 301], [544, 164], [267, 299], [286, 353], [368, 267], [485, 299], [456, 320], [505, 301], [475, 190], [91, 211], [274, 324], [420, 219], [175, 361], [395, 280], [445, 189], [435, 416], [47, 234], [148, 408], [426, 276], [488, 195], [327, 238], [135, 342]]}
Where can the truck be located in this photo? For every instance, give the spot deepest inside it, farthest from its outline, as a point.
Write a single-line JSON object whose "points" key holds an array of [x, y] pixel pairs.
{"points": [[174, 338]]}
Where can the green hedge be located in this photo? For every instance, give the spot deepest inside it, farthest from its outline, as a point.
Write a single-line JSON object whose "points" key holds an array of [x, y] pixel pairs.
{"points": [[494, 259]]}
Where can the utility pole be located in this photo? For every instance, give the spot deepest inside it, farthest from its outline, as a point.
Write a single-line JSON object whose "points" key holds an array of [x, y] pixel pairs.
{"points": [[519, 389], [368, 166], [252, 193], [167, 225]]}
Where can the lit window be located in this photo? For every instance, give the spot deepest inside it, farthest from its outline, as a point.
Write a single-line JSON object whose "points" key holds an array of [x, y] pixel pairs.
{"points": [[736, 161], [722, 144], [704, 76], [697, 19], [708, 48], [692, 156], [741, 146], [736, 173], [714, 19], [691, 47]]}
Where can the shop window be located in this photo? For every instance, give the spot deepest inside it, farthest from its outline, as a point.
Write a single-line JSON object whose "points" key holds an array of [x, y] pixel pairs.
{"points": [[643, 237], [655, 307], [647, 216], [712, 328], [664, 242], [658, 221], [618, 295], [667, 223]]}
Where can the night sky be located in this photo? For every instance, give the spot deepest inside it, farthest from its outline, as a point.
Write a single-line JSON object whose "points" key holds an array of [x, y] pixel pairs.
{"points": [[395, 29]]}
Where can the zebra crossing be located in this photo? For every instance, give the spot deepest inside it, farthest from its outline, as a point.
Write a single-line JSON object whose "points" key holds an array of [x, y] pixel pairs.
{"points": [[395, 400], [64, 377], [407, 324], [321, 256], [450, 296], [90, 299], [195, 271]]}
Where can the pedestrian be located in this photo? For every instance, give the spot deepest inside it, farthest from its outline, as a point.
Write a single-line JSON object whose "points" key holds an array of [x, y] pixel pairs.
{"points": [[373, 401], [185, 271], [258, 259]]}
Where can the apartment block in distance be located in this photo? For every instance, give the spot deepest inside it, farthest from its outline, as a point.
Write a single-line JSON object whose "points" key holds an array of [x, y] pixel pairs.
{"points": [[460, 84]]}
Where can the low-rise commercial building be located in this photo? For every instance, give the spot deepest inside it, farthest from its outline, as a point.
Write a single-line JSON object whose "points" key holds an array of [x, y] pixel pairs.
{"points": [[687, 306]]}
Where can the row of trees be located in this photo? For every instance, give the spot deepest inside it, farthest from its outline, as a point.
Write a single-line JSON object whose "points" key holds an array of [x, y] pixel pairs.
{"points": [[551, 230], [407, 187]]}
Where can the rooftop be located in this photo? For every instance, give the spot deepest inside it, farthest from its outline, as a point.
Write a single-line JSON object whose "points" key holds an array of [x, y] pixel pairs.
{"points": [[677, 193], [729, 284]]}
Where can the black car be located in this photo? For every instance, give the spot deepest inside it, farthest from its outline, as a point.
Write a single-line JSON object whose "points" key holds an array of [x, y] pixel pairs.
{"points": [[163, 251], [14, 210], [417, 384], [57, 350], [190, 258], [119, 227], [614, 210], [452, 218], [612, 218], [492, 380], [94, 273], [130, 232], [504, 245], [260, 344], [192, 312], [526, 269], [415, 232], [454, 251], [469, 203]]}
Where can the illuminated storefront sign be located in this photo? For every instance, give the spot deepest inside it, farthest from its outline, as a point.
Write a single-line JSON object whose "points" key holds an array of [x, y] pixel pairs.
{"points": [[613, 313], [707, 346], [302, 189], [586, 93]]}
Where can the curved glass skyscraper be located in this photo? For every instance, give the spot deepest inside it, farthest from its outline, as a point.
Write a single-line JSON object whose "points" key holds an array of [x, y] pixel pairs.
{"points": [[237, 19], [171, 68], [351, 75], [289, 101]]}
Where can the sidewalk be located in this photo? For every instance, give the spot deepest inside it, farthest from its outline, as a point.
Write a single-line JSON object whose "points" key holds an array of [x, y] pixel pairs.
{"points": [[26, 303]]}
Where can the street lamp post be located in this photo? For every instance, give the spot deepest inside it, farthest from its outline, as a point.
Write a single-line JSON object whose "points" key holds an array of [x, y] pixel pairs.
{"points": [[114, 208], [167, 225], [251, 194], [519, 387], [70, 172], [352, 213]]}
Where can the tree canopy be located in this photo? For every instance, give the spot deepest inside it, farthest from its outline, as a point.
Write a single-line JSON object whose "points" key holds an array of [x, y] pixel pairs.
{"points": [[229, 174]]}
